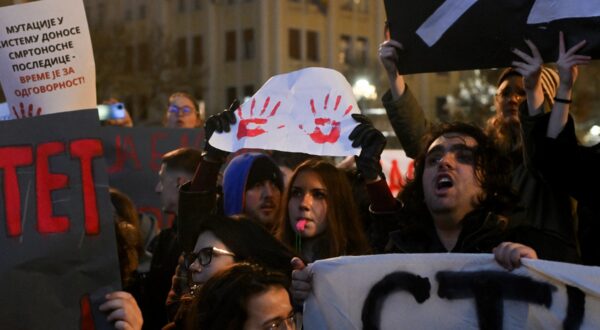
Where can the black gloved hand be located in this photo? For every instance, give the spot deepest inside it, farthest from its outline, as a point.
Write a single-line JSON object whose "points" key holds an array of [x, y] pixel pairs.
{"points": [[220, 122], [372, 142]]}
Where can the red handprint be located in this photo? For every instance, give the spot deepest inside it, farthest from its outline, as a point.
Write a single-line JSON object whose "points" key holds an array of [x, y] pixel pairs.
{"points": [[245, 129], [334, 126], [29, 112]]}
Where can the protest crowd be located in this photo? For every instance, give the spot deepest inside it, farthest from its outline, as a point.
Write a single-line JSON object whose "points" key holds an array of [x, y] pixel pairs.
{"points": [[247, 224]]}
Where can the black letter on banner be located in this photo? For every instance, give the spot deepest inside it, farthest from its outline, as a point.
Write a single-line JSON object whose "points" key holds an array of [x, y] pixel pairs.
{"points": [[575, 308], [490, 288], [398, 281]]}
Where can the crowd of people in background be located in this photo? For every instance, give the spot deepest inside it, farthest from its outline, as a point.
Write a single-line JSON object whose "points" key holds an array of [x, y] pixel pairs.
{"points": [[246, 225]]}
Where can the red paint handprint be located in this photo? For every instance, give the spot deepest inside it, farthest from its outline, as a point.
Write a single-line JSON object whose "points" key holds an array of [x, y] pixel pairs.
{"points": [[328, 124], [29, 113], [253, 126]]}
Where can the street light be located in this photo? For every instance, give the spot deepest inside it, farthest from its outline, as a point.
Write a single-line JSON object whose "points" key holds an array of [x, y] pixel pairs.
{"points": [[363, 89]]}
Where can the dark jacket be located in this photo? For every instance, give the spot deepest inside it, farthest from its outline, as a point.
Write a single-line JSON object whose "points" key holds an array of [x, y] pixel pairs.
{"points": [[573, 168], [481, 232]]}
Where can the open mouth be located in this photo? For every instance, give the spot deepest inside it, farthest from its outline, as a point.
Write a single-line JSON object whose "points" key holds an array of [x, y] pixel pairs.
{"points": [[444, 182]]}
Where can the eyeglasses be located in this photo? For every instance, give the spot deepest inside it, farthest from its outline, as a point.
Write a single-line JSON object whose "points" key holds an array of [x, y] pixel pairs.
{"points": [[182, 111], [204, 256], [282, 324]]}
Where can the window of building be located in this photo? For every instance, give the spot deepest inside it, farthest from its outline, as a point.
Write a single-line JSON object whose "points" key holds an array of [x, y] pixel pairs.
{"points": [[143, 107], [230, 46], [197, 4], [248, 44], [127, 16], [361, 50], [362, 5], [344, 49], [248, 91], [128, 62], [198, 54], [181, 6], [230, 94], [312, 46], [294, 43], [142, 11], [143, 57], [347, 5], [181, 51]]}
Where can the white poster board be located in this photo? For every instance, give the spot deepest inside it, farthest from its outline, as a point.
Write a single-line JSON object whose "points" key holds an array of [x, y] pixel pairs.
{"points": [[450, 291], [308, 111], [46, 58]]}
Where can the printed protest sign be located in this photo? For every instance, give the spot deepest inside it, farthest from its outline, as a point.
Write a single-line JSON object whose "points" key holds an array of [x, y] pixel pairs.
{"points": [[450, 291], [56, 224], [4, 112], [306, 111], [397, 168], [133, 157], [472, 34], [46, 58]]}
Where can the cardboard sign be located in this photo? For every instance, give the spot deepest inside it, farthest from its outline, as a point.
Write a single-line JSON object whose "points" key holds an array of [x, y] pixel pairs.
{"points": [[46, 58], [133, 157], [308, 111], [56, 224], [398, 169], [446, 35], [450, 291]]}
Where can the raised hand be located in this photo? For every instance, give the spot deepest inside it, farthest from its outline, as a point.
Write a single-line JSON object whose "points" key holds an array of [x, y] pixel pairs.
{"points": [[301, 281], [220, 122], [372, 143], [255, 125], [531, 67], [327, 125], [568, 60], [388, 56], [29, 113]]}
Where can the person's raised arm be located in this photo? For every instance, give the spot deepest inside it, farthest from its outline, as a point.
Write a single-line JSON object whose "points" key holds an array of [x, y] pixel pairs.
{"points": [[207, 172], [531, 69], [567, 71], [388, 56], [123, 310], [403, 110]]}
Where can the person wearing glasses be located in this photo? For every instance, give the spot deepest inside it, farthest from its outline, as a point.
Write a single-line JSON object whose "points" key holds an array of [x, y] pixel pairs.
{"points": [[182, 112], [217, 243], [244, 296]]}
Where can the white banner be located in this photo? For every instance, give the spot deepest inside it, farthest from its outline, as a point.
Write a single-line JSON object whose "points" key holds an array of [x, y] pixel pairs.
{"points": [[450, 291], [303, 111], [46, 58]]}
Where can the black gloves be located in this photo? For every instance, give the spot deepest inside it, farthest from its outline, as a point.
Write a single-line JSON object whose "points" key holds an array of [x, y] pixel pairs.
{"points": [[220, 122], [372, 143]]}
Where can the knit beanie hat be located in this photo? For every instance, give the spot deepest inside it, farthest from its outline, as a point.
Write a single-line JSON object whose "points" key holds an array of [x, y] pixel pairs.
{"points": [[263, 169]]}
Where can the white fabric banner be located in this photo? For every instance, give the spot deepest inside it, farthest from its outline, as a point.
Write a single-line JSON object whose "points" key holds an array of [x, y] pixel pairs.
{"points": [[450, 291], [308, 111], [46, 58]]}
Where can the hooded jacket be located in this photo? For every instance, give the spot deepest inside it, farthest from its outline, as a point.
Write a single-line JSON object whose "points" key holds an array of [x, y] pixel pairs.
{"points": [[235, 179]]}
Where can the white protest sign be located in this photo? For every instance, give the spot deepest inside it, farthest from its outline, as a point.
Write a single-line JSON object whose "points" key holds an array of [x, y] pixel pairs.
{"points": [[450, 291], [544, 11], [46, 58], [397, 168], [303, 111]]}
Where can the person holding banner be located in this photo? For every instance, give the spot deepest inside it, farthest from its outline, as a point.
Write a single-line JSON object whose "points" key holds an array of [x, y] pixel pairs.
{"points": [[574, 170], [182, 112], [543, 206]]}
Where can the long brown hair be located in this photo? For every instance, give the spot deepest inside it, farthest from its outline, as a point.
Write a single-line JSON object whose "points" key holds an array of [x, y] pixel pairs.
{"points": [[343, 234]]}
